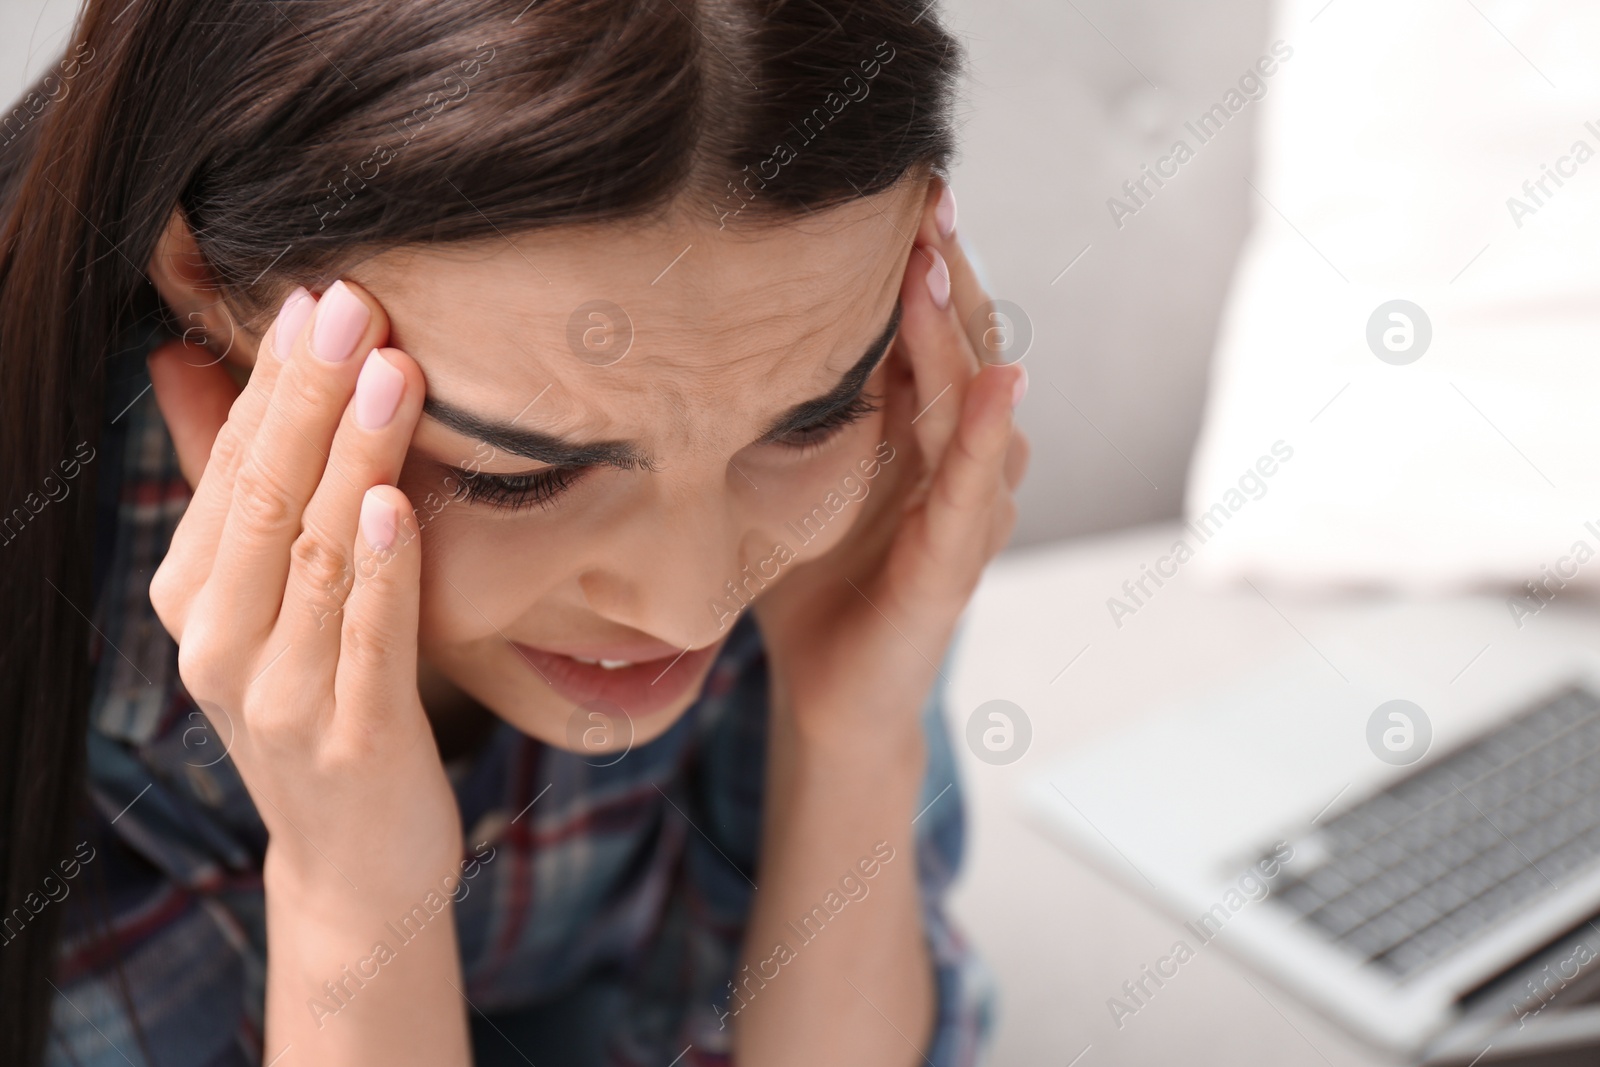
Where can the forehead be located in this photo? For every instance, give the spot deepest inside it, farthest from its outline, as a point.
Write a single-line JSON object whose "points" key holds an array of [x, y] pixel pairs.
{"points": [[700, 311]]}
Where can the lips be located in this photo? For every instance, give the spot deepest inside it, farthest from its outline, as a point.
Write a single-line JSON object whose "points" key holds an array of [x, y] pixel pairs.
{"points": [[640, 679]]}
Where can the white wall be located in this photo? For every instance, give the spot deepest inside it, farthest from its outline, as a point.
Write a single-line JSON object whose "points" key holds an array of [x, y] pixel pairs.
{"points": [[1067, 101], [33, 33]]}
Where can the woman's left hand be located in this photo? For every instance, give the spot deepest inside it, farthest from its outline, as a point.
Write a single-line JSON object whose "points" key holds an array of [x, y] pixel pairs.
{"points": [[854, 638]]}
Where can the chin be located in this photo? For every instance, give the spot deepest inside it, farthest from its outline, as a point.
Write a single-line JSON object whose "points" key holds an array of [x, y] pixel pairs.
{"points": [[592, 729]]}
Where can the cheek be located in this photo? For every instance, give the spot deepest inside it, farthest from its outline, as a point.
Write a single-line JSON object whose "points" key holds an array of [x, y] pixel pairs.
{"points": [[816, 503], [480, 574]]}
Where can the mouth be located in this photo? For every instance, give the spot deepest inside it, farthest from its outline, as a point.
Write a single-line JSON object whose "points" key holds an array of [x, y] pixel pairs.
{"points": [[640, 679]]}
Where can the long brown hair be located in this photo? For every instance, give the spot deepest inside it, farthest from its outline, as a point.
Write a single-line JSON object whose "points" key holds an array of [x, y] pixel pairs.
{"points": [[299, 136]]}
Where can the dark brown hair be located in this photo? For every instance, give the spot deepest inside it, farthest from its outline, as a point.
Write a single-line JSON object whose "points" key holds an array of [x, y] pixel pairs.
{"points": [[299, 136]]}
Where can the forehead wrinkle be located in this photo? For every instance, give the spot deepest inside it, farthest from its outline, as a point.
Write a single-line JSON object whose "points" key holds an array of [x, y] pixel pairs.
{"points": [[678, 386], [676, 341], [530, 330], [699, 411], [811, 277], [809, 327]]}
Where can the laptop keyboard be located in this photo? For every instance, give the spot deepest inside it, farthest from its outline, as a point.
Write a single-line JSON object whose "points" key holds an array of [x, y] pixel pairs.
{"points": [[1406, 876]]}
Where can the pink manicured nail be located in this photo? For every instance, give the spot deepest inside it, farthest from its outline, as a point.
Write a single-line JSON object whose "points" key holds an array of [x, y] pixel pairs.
{"points": [[341, 320], [377, 521], [938, 279], [944, 213], [297, 308], [1019, 390], [378, 392]]}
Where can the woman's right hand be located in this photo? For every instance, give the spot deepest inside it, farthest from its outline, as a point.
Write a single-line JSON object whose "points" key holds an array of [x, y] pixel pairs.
{"points": [[291, 587]]}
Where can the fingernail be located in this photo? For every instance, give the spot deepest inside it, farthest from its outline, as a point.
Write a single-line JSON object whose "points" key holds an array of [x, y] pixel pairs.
{"points": [[1020, 389], [938, 277], [377, 521], [944, 213], [378, 392], [341, 320], [297, 307]]}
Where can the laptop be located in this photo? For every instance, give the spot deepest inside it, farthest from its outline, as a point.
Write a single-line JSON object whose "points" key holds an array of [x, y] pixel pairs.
{"points": [[1410, 849]]}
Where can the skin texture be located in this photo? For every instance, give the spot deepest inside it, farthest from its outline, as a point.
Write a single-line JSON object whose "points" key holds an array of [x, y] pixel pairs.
{"points": [[278, 599]]}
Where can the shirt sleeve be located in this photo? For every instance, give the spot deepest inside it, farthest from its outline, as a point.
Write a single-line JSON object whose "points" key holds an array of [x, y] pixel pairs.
{"points": [[184, 984], [964, 1012]]}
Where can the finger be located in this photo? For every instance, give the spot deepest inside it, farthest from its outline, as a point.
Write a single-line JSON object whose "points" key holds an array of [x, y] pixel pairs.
{"points": [[939, 354], [193, 547], [1017, 455], [288, 458], [959, 511], [369, 449], [1002, 520], [194, 394], [938, 230], [377, 669]]}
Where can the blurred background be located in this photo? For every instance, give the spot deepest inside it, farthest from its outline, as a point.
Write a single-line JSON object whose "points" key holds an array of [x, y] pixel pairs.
{"points": [[1192, 312]]}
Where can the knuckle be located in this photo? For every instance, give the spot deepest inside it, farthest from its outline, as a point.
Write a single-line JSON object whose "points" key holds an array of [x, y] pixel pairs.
{"points": [[367, 650], [302, 395], [166, 597], [261, 498], [969, 444], [948, 495], [227, 450], [252, 400], [199, 660], [955, 490], [321, 568]]}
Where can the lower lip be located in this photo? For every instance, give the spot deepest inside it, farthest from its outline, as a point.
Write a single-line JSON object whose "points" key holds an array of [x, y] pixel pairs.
{"points": [[640, 690]]}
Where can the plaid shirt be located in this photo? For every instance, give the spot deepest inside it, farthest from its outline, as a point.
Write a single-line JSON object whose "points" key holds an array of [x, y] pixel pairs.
{"points": [[641, 868]]}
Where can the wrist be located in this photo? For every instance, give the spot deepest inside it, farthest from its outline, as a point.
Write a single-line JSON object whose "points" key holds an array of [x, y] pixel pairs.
{"points": [[316, 892], [322, 898], [887, 752], [863, 725]]}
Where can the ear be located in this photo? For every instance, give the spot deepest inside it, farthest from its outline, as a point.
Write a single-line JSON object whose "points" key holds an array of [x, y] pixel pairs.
{"points": [[183, 278], [195, 397]]}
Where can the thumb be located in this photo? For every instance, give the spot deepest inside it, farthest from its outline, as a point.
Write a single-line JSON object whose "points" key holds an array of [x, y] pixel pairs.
{"points": [[195, 393]]}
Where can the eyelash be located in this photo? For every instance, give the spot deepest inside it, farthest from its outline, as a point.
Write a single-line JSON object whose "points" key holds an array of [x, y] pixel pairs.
{"points": [[513, 492], [809, 438]]}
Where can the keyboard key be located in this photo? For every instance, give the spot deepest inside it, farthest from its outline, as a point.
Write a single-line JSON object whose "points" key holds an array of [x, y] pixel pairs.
{"points": [[1407, 876]]}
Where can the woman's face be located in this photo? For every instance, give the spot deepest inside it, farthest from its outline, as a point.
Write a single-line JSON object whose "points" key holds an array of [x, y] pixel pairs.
{"points": [[623, 425]]}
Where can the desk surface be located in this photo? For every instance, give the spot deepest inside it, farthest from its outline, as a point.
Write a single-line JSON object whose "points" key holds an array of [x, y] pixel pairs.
{"points": [[1062, 937]]}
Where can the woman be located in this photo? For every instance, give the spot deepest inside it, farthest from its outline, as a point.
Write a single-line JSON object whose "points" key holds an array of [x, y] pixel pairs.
{"points": [[499, 480]]}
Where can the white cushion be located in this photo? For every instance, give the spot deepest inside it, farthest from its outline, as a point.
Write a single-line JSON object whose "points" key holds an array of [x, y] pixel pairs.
{"points": [[1390, 144]]}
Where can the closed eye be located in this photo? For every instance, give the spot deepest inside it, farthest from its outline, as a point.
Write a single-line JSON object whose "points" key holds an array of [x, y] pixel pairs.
{"points": [[816, 434], [543, 488], [513, 492]]}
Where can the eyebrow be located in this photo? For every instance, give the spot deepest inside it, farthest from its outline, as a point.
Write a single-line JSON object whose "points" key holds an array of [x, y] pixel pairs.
{"points": [[840, 396], [559, 452]]}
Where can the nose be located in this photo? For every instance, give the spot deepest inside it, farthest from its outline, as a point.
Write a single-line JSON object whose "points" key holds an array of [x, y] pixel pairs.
{"points": [[681, 569]]}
